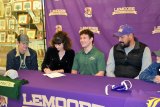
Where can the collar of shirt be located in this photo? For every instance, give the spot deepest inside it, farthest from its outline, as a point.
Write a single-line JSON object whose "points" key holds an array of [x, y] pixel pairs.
{"points": [[27, 53], [90, 52]]}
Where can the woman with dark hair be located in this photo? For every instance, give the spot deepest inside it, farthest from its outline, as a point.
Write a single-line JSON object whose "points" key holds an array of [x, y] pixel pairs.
{"points": [[59, 57]]}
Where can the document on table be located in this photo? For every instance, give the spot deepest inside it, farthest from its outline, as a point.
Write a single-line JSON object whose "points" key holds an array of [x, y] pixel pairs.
{"points": [[54, 75]]}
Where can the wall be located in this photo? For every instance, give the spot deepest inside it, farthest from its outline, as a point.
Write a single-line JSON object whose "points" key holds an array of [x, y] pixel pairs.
{"points": [[104, 17]]}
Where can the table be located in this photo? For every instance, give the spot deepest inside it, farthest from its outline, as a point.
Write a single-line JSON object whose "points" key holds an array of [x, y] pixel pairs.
{"points": [[82, 91]]}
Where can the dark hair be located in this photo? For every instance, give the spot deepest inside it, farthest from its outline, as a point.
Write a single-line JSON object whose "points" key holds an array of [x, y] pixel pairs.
{"points": [[61, 37], [87, 32]]}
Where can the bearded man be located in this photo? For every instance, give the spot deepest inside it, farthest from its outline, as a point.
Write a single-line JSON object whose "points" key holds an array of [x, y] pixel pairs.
{"points": [[129, 57]]}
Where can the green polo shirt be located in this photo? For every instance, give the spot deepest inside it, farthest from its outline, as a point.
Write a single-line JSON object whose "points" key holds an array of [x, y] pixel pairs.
{"points": [[90, 63]]}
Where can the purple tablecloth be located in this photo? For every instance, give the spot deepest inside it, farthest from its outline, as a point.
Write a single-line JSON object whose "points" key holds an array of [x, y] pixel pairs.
{"points": [[82, 91]]}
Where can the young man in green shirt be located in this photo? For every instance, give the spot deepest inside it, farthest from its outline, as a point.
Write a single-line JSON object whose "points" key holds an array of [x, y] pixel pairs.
{"points": [[89, 61]]}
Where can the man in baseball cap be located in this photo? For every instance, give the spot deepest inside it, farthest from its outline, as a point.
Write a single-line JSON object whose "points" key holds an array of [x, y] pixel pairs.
{"points": [[22, 57], [129, 57], [123, 32]]}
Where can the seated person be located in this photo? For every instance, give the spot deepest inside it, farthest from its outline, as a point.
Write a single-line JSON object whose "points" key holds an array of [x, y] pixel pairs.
{"points": [[22, 57], [152, 73], [89, 61], [59, 57], [129, 57]]}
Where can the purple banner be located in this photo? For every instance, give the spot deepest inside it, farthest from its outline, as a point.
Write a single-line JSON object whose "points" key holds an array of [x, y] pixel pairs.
{"points": [[104, 17]]}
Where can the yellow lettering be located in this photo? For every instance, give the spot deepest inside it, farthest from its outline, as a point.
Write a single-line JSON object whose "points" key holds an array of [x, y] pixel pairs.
{"points": [[49, 103], [42, 101], [6, 83], [69, 101], [95, 105], [36, 99], [25, 102], [60, 99], [84, 104]]}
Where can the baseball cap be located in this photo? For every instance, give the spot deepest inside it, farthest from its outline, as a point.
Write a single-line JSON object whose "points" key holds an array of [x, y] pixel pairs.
{"points": [[124, 30], [157, 53], [23, 38], [13, 74]]}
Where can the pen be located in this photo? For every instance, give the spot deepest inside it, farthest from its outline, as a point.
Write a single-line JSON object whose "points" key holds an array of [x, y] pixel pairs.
{"points": [[47, 70]]}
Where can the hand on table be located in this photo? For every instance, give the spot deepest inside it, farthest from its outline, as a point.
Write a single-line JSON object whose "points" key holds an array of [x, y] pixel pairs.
{"points": [[157, 79], [47, 70]]}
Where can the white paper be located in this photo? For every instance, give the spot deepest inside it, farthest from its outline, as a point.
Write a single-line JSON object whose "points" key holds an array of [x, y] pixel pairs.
{"points": [[54, 75]]}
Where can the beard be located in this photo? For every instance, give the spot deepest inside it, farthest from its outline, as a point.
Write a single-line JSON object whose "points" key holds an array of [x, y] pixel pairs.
{"points": [[124, 45]]}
